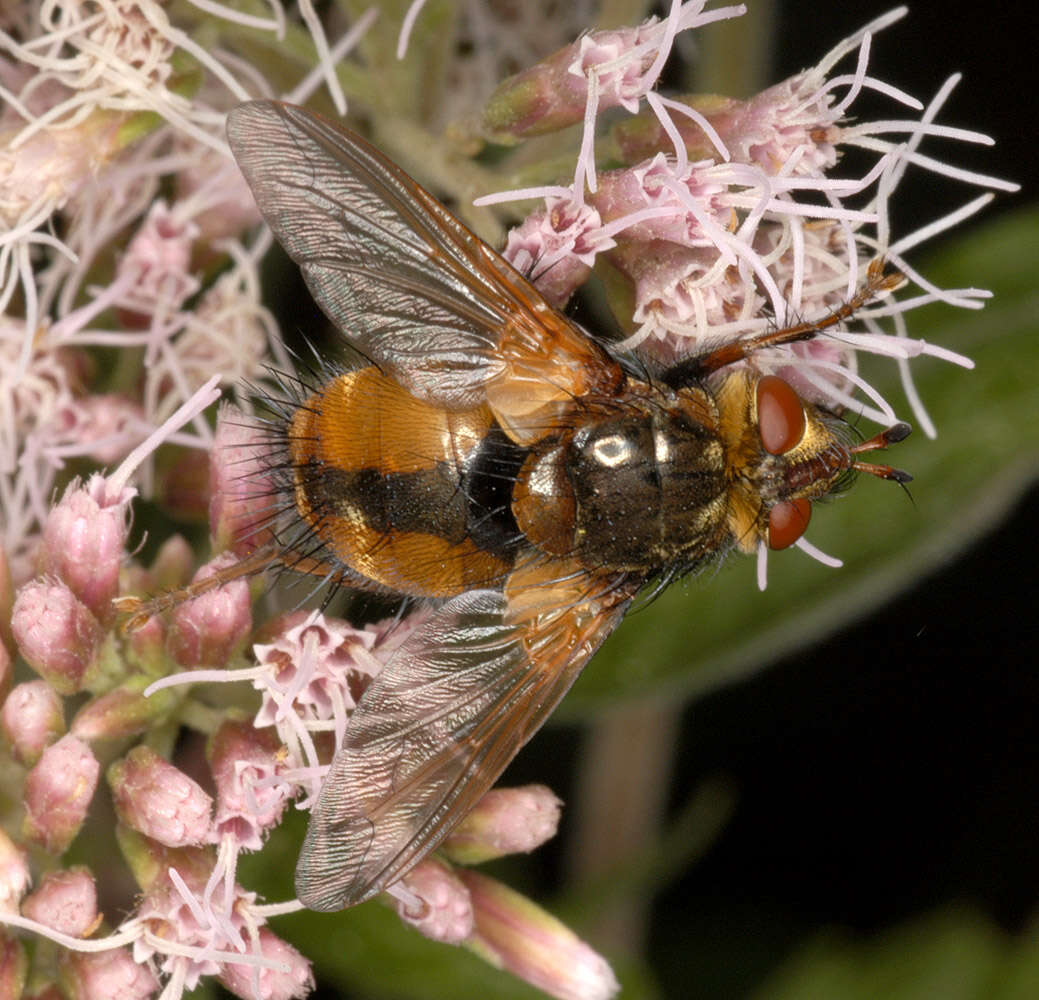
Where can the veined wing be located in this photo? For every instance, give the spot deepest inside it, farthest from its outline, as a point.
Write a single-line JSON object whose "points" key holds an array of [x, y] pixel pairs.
{"points": [[404, 280], [441, 722]]}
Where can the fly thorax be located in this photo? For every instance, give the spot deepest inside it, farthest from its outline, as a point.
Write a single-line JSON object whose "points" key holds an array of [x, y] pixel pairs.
{"points": [[638, 489]]}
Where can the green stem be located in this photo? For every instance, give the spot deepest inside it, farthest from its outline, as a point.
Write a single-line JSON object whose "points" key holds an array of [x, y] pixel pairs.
{"points": [[622, 788]]}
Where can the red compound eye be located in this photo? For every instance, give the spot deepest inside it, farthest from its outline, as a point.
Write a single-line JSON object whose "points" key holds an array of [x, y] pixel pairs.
{"points": [[787, 522], [781, 415]]}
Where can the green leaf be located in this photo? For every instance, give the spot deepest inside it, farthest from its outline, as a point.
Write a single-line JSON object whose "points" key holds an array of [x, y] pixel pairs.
{"points": [[710, 630], [955, 955]]}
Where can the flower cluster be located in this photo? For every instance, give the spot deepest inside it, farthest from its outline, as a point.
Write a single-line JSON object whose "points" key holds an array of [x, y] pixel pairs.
{"points": [[129, 275], [708, 232]]}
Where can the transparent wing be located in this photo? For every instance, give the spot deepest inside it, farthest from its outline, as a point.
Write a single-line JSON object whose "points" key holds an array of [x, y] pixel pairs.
{"points": [[438, 726], [403, 279]]}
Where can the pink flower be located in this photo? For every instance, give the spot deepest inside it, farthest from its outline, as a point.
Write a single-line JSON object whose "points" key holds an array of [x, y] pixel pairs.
{"points": [[505, 821], [209, 629], [270, 984], [107, 975], [516, 934], [177, 907], [83, 542], [678, 295], [312, 673], [52, 166], [66, 900], [57, 634], [652, 202], [57, 794], [103, 427], [251, 794], [785, 124], [322, 665], [159, 257], [446, 912], [216, 930], [556, 247], [160, 801], [14, 875], [604, 69], [32, 719]]}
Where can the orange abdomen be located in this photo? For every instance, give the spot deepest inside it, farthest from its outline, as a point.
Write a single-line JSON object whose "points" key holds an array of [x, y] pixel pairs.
{"points": [[414, 498]]}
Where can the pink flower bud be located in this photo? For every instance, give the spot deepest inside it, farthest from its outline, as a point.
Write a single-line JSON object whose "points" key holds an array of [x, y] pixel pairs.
{"points": [[553, 94], [57, 634], [515, 934], [239, 500], [124, 711], [14, 875], [58, 791], [106, 975], [274, 984], [505, 821], [83, 542], [159, 800], [538, 100], [209, 629], [32, 719], [66, 901], [14, 967], [250, 798], [446, 913]]}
